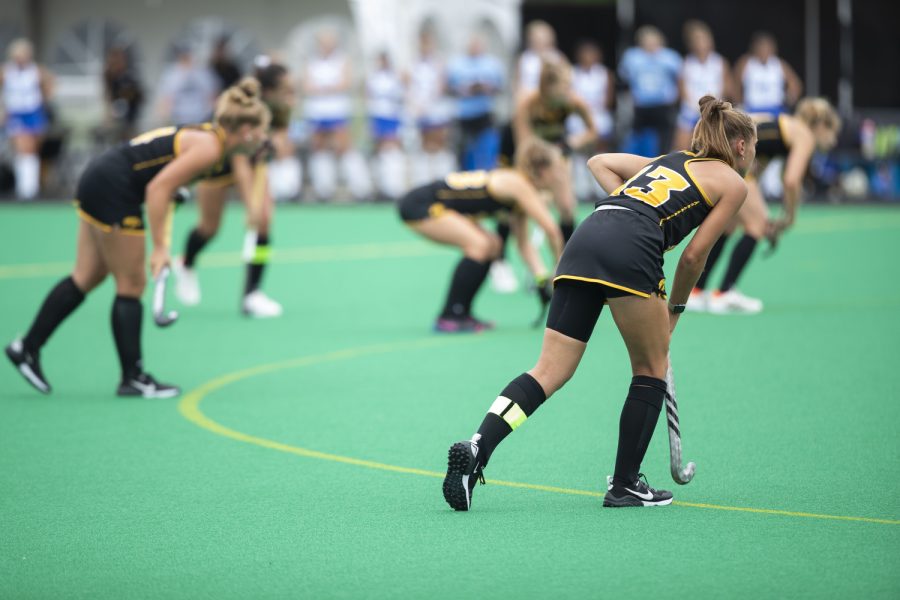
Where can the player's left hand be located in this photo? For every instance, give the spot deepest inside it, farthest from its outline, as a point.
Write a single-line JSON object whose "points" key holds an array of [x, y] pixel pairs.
{"points": [[159, 258]]}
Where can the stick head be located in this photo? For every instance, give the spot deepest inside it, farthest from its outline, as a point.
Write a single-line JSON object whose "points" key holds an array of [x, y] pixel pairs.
{"points": [[684, 476], [161, 317]]}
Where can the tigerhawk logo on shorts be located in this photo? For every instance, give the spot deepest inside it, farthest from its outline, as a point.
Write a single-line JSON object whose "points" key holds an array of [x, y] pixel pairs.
{"points": [[662, 286], [131, 222]]}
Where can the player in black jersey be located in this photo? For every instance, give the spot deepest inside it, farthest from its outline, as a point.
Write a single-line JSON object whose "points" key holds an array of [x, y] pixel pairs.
{"points": [[250, 176], [794, 138], [616, 257], [446, 211], [111, 193], [543, 113]]}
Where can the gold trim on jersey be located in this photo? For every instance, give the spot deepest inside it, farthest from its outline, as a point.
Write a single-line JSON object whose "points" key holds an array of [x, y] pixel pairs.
{"points": [[602, 282], [678, 212], [782, 131], [687, 169], [153, 162], [106, 228]]}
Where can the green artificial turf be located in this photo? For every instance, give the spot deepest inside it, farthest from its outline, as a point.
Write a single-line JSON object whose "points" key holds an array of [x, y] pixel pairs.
{"points": [[793, 410]]}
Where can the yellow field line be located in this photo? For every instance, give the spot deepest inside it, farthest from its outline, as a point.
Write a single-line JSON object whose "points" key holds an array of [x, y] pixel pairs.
{"points": [[311, 254], [189, 407]]}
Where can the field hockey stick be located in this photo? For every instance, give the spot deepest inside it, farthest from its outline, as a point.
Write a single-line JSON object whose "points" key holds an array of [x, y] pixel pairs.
{"points": [[679, 474], [544, 292], [257, 198], [161, 317]]}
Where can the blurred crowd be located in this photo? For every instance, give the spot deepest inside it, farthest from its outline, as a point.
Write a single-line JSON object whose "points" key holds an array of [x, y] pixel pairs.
{"points": [[439, 114]]}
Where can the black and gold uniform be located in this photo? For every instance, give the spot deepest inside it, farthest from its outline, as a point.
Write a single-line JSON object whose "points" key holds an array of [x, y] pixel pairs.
{"points": [[465, 192], [111, 190], [621, 245], [771, 139], [547, 122]]}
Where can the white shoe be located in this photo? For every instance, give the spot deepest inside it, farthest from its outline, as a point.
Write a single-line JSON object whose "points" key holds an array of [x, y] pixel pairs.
{"points": [[257, 304], [503, 278], [733, 301], [187, 286], [698, 301]]}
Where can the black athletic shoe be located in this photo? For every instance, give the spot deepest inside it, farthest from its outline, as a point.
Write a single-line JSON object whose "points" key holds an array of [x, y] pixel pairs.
{"points": [[463, 472], [638, 493], [28, 364], [145, 386]]}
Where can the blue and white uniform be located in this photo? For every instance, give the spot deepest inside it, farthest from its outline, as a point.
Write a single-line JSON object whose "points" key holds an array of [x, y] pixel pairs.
{"points": [[592, 86], [431, 106], [23, 99], [699, 78], [327, 110], [764, 86], [385, 102]]}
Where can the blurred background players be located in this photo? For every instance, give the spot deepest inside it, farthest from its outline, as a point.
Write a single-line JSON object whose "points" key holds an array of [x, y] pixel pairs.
{"points": [[285, 170], [703, 72], [386, 93], [187, 90], [651, 71], [595, 85], [433, 113], [327, 85], [540, 46], [26, 88], [476, 79], [124, 96], [768, 83]]}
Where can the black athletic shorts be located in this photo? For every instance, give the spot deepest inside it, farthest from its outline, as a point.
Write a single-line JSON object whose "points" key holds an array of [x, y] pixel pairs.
{"points": [[108, 198], [619, 249], [507, 155], [417, 204]]}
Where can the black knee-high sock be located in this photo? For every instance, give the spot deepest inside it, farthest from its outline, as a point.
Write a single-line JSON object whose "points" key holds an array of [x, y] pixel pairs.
{"points": [[126, 325], [503, 232], [516, 402], [467, 279], [740, 256], [636, 425], [64, 298], [567, 227], [195, 243], [257, 263], [714, 253]]}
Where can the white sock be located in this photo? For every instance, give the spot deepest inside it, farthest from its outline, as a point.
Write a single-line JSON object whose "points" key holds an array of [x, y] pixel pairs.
{"points": [[443, 163], [391, 173], [323, 175], [28, 175], [356, 174], [285, 177], [420, 168]]}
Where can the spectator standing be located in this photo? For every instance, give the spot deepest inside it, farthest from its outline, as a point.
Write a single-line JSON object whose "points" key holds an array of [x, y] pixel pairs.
{"points": [[26, 88], [327, 84], [476, 79], [223, 64], [595, 84], [540, 46], [768, 83], [124, 95], [187, 91], [651, 71], [433, 113], [704, 72], [385, 93]]}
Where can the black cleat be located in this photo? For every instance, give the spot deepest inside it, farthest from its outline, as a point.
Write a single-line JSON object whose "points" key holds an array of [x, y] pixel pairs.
{"points": [[144, 386], [464, 470], [638, 493], [29, 365]]}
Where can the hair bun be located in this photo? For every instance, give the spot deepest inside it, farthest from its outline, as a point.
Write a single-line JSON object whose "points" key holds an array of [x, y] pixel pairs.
{"points": [[709, 105], [245, 91]]}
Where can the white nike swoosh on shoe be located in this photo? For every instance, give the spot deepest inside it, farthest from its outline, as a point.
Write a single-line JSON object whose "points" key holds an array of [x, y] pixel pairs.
{"points": [[26, 372], [647, 496]]}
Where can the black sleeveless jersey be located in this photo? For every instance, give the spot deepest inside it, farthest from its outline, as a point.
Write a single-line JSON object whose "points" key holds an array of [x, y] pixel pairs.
{"points": [[549, 122], [770, 140], [148, 153], [665, 192], [466, 192]]}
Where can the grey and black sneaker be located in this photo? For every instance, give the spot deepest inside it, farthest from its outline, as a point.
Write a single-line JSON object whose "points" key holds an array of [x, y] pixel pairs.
{"points": [[638, 493], [144, 385], [29, 365], [464, 470]]}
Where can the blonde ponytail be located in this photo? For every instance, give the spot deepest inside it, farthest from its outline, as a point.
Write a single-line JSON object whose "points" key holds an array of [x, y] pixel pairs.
{"points": [[720, 125], [816, 111], [241, 105]]}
